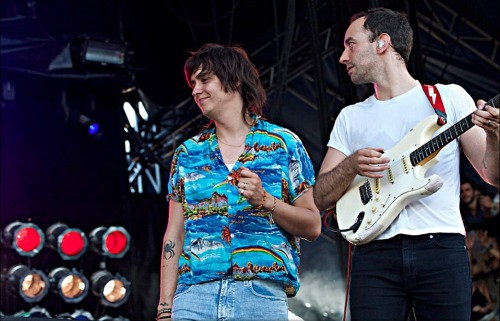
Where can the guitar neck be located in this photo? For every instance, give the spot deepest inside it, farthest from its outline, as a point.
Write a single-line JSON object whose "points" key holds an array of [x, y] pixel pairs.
{"points": [[447, 136]]}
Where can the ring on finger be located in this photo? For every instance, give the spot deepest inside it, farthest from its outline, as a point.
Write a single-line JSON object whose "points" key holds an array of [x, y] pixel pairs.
{"points": [[245, 185], [489, 123], [242, 192]]}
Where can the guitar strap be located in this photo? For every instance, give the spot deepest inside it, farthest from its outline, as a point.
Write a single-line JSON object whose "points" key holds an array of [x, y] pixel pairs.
{"points": [[434, 97]]}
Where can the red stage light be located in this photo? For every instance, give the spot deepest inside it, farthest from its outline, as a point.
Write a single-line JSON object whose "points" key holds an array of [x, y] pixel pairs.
{"points": [[113, 241], [26, 238], [70, 243], [116, 241]]}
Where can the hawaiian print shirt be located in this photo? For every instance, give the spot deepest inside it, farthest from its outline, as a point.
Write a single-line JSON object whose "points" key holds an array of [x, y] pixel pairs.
{"points": [[224, 234]]}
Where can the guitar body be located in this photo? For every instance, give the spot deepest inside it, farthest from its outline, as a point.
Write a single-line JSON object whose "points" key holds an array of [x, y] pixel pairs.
{"points": [[375, 203]]}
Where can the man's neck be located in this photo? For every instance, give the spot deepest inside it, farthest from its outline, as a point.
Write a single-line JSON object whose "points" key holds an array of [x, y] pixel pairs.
{"points": [[396, 81]]}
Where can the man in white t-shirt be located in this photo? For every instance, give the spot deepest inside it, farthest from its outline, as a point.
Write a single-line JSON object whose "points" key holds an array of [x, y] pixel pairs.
{"points": [[409, 254]]}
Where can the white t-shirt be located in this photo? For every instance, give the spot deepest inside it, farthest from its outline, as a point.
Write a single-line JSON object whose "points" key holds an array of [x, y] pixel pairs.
{"points": [[374, 123]]}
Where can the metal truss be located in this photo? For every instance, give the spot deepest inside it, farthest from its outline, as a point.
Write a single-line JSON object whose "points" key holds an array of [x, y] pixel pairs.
{"points": [[441, 30], [159, 137]]}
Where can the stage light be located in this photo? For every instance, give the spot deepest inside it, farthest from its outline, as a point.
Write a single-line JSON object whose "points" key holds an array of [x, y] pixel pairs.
{"points": [[26, 238], [113, 242], [71, 285], [113, 290], [93, 128], [104, 52], [70, 243], [77, 119], [31, 284]]}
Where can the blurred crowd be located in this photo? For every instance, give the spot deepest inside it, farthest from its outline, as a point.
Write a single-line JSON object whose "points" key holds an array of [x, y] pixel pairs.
{"points": [[480, 213]]}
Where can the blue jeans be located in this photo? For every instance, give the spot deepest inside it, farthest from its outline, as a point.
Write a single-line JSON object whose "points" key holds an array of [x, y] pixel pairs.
{"points": [[429, 273], [228, 299]]}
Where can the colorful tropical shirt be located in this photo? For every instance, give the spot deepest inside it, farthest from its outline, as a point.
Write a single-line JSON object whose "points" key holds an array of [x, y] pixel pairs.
{"points": [[224, 234]]}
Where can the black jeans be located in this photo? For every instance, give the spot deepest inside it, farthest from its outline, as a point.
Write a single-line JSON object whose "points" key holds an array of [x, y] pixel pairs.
{"points": [[429, 273]]}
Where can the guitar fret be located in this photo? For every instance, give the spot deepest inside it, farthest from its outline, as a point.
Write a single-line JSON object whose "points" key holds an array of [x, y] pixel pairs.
{"points": [[441, 140]]}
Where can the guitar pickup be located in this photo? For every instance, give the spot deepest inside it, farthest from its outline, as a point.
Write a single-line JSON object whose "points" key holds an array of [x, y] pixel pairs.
{"points": [[390, 175], [406, 168]]}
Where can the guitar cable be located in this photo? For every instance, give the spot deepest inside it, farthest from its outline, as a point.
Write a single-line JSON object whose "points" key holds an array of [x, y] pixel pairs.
{"points": [[349, 250], [353, 227], [347, 279]]}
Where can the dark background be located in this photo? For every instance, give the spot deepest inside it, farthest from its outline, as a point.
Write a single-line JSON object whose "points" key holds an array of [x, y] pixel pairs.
{"points": [[52, 171]]}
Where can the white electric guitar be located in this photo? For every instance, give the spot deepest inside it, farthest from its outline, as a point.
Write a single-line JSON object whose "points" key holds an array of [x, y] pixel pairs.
{"points": [[370, 205]]}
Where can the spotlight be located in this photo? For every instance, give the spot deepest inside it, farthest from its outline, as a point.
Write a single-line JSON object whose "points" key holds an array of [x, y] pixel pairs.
{"points": [[113, 290], [26, 238], [113, 242], [93, 128], [104, 52], [70, 243], [72, 286], [31, 284], [75, 118]]}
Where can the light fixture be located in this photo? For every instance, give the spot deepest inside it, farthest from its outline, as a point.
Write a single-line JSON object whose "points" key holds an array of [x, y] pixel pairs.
{"points": [[105, 52], [93, 128], [26, 238], [113, 242], [71, 285], [88, 125], [113, 290], [31, 284], [70, 243], [79, 120]]}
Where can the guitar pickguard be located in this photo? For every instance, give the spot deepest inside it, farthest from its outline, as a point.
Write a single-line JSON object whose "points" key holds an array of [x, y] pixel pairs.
{"points": [[381, 200]]}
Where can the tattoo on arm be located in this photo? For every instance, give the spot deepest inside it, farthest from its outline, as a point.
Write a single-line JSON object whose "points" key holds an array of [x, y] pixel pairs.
{"points": [[168, 249], [164, 304]]}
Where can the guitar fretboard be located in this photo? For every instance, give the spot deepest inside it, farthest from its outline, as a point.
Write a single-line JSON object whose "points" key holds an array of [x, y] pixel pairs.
{"points": [[447, 136]]}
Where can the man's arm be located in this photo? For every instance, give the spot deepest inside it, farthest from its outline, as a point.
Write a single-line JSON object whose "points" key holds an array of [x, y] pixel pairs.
{"points": [[173, 242], [481, 143], [335, 172], [338, 171]]}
